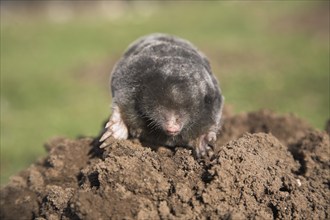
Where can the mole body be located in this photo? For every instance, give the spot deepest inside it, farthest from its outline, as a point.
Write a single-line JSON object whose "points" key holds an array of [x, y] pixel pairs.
{"points": [[164, 93]]}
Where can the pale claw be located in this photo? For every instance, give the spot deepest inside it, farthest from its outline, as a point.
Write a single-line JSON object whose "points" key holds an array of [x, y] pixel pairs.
{"points": [[104, 144], [105, 136], [115, 127]]}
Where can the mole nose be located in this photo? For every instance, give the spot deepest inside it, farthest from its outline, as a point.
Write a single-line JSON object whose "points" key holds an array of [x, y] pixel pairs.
{"points": [[172, 125], [172, 129]]}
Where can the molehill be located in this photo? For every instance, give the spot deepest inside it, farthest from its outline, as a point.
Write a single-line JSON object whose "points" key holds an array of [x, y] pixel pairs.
{"points": [[265, 166]]}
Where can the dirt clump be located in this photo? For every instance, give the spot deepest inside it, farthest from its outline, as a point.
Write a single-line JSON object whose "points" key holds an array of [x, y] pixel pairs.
{"points": [[265, 166]]}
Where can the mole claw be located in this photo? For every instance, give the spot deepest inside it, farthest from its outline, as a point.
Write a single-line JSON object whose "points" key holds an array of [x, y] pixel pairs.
{"points": [[105, 136], [103, 145]]}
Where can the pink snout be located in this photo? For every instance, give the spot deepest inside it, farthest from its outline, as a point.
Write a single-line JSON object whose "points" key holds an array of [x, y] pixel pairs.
{"points": [[172, 129]]}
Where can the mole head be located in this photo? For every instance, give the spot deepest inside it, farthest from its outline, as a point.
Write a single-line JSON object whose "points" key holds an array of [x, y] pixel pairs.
{"points": [[167, 107]]}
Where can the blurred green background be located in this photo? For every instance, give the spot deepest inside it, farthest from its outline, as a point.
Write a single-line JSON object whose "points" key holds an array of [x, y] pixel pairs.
{"points": [[56, 58]]}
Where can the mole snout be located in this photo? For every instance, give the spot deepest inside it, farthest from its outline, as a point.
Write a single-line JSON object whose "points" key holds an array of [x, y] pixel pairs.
{"points": [[172, 125]]}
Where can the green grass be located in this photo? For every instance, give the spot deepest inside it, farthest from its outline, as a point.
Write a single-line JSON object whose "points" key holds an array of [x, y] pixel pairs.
{"points": [[54, 76]]}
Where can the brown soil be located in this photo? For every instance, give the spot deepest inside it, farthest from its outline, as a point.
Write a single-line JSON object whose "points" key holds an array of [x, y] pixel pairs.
{"points": [[266, 166]]}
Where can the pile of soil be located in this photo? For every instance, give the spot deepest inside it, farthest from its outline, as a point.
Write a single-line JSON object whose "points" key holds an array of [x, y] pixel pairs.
{"points": [[265, 166]]}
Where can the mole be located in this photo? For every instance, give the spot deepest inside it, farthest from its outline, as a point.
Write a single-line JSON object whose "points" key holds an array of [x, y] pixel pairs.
{"points": [[164, 93]]}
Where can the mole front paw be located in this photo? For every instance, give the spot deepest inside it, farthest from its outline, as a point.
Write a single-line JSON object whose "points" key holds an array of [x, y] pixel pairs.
{"points": [[114, 128], [204, 146]]}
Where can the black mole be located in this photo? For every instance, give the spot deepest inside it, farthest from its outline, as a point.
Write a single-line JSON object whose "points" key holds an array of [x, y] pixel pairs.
{"points": [[164, 93]]}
